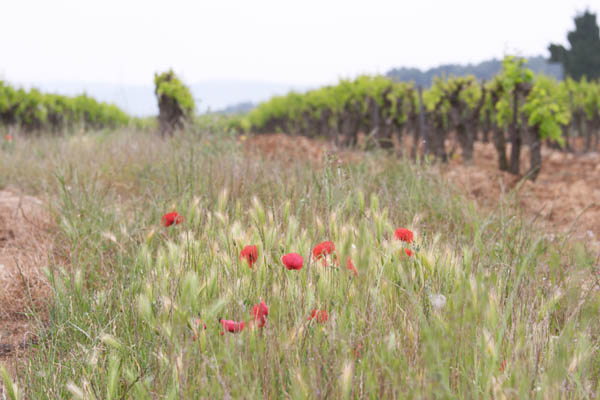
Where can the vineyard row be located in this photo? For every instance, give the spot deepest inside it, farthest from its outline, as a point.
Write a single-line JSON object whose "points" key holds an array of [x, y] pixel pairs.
{"points": [[515, 107], [33, 110]]}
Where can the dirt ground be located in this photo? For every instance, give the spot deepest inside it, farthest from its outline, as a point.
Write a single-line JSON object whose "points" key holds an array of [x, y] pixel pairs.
{"points": [[565, 197], [24, 248], [288, 148]]}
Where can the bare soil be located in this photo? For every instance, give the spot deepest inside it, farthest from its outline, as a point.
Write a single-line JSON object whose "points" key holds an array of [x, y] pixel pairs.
{"points": [[565, 196], [25, 246], [289, 148]]}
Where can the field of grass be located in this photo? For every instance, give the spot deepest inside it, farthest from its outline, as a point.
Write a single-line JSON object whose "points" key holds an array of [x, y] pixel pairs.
{"points": [[131, 296]]}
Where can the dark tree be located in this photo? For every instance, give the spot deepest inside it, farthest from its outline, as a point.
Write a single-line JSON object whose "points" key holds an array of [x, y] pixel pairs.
{"points": [[583, 58]]}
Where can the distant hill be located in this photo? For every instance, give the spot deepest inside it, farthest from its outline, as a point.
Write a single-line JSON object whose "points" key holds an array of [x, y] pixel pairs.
{"points": [[238, 108], [483, 71], [139, 100]]}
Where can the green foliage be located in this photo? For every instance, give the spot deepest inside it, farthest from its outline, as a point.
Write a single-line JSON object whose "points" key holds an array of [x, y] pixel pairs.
{"points": [[221, 123], [36, 111], [584, 97], [450, 102], [471, 92], [514, 77], [437, 103], [284, 112], [546, 110], [167, 84], [515, 73], [146, 124]]}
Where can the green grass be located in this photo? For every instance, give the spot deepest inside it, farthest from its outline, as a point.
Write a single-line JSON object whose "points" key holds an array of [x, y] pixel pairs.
{"points": [[127, 290]]}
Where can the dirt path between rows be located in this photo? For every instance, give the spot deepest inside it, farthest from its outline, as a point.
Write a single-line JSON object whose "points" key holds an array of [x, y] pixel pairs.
{"points": [[25, 244]]}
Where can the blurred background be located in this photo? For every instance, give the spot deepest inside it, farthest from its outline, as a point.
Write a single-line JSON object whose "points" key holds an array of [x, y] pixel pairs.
{"points": [[234, 54]]}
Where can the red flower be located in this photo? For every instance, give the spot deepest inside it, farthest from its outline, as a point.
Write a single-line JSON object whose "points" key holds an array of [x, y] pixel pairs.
{"points": [[321, 315], [260, 312], [323, 249], [408, 252], [404, 234], [171, 218], [292, 261], [250, 254], [351, 267], [8, 137], [232, 326]]}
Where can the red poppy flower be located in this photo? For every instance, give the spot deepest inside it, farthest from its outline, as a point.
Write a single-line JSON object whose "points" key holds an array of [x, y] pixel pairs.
{"points": [[404, 234], [321, 315], [323, 249], [408, 252], [260, 312], [171, 218], [8, 137], [292, 261], [250, 254], [351, 267], [232, 326]]}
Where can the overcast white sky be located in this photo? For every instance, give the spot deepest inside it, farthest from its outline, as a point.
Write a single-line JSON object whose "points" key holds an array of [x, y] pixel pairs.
{"points": [[300, 42]]}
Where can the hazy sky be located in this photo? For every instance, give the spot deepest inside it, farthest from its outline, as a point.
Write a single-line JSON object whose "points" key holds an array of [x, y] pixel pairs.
{"points": [[300, 42]]}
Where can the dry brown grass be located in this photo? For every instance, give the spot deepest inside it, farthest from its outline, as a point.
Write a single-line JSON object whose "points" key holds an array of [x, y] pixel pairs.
{"points": [[282, 147], [25, 244]]}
